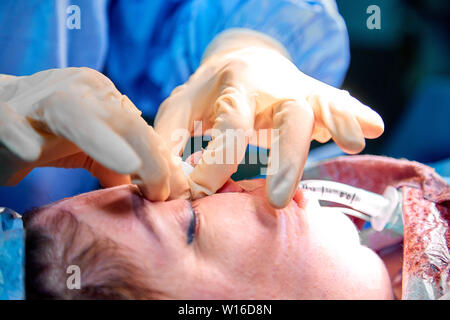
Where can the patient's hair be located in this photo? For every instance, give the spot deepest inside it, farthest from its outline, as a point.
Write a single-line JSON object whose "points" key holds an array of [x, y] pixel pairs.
{"points": [[57, 242]]}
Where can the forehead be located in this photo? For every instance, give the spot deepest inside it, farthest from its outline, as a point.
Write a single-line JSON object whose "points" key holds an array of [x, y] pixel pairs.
{"points": [[110, 212]]}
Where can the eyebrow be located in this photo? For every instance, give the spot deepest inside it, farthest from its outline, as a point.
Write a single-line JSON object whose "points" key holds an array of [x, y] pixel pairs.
{"points": [[138, 204]]}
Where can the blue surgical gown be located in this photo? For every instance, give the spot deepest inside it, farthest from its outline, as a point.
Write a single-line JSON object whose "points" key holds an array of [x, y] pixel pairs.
{"points": [[147, 48]]}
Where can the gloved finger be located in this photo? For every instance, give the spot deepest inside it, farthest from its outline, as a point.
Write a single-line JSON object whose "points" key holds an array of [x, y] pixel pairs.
{"points": [[160, 177], [321, 134], [371, 123], [293, 123], [179, 185], [173, 121], [230, 133], [72, 119], [342, 125], [17, 134]]}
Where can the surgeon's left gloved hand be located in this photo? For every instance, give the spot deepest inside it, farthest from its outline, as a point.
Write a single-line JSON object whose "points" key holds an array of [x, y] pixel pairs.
{"points": [[246, 81], [76, 118]]}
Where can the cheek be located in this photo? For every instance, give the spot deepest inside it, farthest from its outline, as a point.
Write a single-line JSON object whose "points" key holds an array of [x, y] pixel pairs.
{"points": [[335, 265], [333, 228], [231, 230], [251, 247], [329, 239]]}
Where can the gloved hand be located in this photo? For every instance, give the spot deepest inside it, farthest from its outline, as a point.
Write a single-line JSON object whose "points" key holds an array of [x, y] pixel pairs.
{"points": [[76, 118], [246, 81]]}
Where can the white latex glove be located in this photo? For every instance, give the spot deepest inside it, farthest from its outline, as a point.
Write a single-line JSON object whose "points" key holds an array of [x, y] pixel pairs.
{"points": [[76, 118], [246, 81]]}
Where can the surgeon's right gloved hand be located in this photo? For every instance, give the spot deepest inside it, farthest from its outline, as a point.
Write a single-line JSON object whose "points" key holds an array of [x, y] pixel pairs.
{"points": [[76, 118], [246, 81]]}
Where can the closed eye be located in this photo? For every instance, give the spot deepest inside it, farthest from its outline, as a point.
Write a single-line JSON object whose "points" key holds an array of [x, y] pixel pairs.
{"points": [[192, 226]]}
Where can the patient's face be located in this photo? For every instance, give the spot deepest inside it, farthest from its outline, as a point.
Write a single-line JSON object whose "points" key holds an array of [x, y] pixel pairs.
{"points": [[234, 245]]}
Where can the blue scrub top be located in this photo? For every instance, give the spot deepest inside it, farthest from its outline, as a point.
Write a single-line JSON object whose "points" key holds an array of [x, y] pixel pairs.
{"points": [[147, 48]]}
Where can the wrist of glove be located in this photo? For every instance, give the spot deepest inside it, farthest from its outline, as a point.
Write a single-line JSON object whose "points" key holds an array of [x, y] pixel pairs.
{"points": [[240, 38]]}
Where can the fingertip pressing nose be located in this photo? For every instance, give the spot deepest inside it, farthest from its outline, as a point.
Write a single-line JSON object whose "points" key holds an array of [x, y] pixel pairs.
{"points": [[198, 191], [160, 193]]}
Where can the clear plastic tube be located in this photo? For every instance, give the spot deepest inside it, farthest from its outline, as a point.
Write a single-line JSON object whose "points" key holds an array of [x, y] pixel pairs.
{"points": [[383, 211], [365, 201], [349, 212]]}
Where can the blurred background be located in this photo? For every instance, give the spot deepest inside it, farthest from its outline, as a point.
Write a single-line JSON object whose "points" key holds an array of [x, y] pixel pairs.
{"points": [[403, 71]]}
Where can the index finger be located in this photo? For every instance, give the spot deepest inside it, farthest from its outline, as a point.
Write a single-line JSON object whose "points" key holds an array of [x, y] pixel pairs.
{"points": [[230, 134], [160, 177], [293, 122]]}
